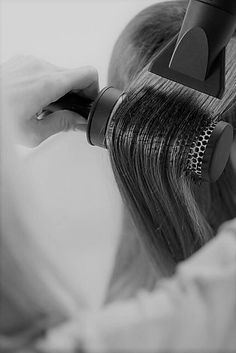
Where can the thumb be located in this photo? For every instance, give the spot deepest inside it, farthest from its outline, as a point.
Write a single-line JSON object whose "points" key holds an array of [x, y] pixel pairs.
{"points": [[84, 80], [63, 120]]}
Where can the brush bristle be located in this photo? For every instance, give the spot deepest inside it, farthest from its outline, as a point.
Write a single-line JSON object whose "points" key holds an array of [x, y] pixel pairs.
{"points": [[198, 148]]}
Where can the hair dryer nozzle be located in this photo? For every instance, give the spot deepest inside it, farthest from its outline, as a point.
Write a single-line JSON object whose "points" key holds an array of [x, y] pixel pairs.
{"points": [[213, 85], [196, 56]]}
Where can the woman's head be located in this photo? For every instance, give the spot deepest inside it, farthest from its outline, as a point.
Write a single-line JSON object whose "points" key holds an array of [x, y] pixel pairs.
{"points": [[142, 38], [150, 136]]}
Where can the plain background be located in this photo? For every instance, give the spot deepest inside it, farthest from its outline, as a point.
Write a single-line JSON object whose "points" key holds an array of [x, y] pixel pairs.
{"points": [[75, 208]]}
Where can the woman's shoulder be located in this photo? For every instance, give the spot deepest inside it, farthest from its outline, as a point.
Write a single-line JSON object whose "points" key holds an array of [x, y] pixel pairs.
{"points": [[218, 254], [228, 227]]}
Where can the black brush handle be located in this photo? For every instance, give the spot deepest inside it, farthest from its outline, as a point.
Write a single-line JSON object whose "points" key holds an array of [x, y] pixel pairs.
{"points": [[72, 101]]}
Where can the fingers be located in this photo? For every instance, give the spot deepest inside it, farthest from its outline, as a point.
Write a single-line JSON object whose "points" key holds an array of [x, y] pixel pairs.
{"points": [[54, 123], [83, 79], [30, 65], [57, 84], [44, 83], [29, 85]]}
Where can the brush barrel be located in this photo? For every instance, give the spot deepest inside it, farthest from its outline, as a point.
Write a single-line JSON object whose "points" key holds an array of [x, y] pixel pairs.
{"points": [[74, 102], [105, 105]]}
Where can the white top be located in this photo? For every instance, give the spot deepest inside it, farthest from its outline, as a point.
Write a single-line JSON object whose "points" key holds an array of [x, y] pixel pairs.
{"points": [[193, 311]]}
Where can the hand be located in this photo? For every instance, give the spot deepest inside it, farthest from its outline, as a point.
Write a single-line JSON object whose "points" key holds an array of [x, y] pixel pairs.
{"points": [[27, 86]]}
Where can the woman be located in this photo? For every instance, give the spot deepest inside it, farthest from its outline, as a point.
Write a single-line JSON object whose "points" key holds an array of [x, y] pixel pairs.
{"points": [[173, 213], [143, 192], [176, 216]]}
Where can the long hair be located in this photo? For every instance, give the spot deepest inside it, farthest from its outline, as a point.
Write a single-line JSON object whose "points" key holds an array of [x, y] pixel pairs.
{"points": [[149, 139]]}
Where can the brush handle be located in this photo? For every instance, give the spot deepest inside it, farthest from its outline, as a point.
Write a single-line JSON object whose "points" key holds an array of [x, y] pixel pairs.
{"points": [[72, 101]]}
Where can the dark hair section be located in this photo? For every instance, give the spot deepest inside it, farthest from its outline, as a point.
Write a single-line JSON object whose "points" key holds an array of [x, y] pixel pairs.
{"points": [[149, 138]]}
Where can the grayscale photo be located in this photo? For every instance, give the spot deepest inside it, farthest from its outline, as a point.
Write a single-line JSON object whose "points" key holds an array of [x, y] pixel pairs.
{"points": [[117, 176]]}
